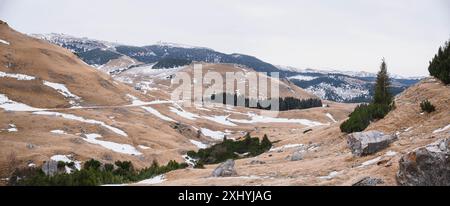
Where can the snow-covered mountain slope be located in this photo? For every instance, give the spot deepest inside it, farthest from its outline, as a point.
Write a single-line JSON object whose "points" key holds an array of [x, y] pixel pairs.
{"points": [[343, 86], [97, 53], [334, 85]]}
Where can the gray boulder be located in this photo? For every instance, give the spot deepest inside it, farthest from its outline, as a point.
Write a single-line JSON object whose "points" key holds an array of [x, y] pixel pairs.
{"points": [[369, 181], [426, 166], [50, 167], [370, 142], [298, 155], [225, 169]]}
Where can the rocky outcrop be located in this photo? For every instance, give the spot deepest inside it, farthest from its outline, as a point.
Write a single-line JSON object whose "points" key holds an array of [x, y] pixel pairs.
{"points": [[369, 181], [426, 166], [366, 143], [225, 169], [50, 167], [186, 130]]}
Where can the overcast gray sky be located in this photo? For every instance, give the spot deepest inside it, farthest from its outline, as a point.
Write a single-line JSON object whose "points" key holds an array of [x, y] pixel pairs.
{"points": [[344, 35]]}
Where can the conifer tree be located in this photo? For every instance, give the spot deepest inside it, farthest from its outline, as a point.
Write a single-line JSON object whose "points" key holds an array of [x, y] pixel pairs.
{"points": [[265, 143], [382, 94]]}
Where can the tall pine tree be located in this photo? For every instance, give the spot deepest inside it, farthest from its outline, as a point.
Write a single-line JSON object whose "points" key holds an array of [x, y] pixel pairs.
{"points": [[440, 65], [382, 94], [361, 117]]}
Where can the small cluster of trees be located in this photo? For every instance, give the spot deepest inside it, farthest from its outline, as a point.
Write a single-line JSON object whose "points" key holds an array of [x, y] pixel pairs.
{"points": [[93, 173], [382, 103], [440, 65], [283, 104], [230, 149], [171, 63]]}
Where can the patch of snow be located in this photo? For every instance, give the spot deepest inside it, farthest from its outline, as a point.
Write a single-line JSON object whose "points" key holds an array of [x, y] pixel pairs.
{"points": [[114, 185], [344, 92], [390, 153], [199, 144], [182, 113], [62, 158], [4, 42], [144, 86], [441, 129], [142, 103], [264, 119], [370, 162], [147, 70], [220, 119], [288, 146], [67, 159], [116, 147], [408, 129], [62, 89], [189, 160], [217, 135], [12, 128], [10, 105], [136, 101], [242, 155], [143, 147], [31, 165], [58, 131], [81, 119], [303, 77], [330, 176], [154, 180], [202, 108], [331, 117], [22, 77], [157, 114]]}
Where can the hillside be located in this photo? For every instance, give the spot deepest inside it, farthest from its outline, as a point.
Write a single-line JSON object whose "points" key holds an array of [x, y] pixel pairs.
{"points": [[327, 160], [53, 106]]}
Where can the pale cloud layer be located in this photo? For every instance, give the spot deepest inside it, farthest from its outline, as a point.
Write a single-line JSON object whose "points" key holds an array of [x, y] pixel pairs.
{"points": [[346, 35]]}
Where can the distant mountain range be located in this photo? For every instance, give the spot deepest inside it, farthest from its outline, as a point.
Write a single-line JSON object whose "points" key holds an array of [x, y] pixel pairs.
{"points": [[343, 86], [332, 85]]}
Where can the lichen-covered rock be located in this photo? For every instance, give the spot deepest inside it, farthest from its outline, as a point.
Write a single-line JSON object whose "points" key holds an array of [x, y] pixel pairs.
{"points": [[225, 169], [426, 166], [369, 181], [370, 142]]}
